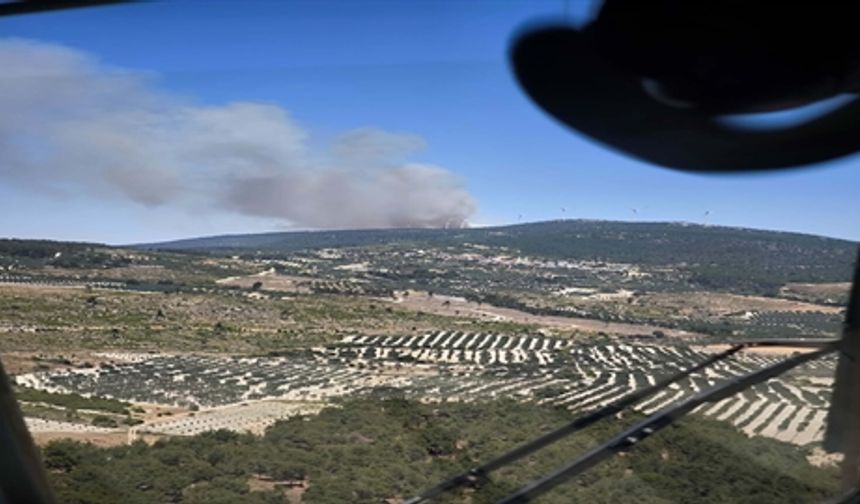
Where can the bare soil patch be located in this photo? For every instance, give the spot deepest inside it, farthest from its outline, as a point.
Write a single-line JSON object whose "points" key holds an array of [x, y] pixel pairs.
{"points": [[28, 362], [836, 292], [459, 307], [12, 287], [717, 304], [156, 412], [291, 489], [819, 457], [270, 281], [101, 439], [769, 350]]}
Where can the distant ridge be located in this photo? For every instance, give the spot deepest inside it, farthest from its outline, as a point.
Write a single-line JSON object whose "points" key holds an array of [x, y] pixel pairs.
{"points": [[285, 241], [734, 254]]}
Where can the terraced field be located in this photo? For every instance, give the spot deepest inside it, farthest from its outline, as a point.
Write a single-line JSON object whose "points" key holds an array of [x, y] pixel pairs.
{"points": [[791, 323], [248, 394]]}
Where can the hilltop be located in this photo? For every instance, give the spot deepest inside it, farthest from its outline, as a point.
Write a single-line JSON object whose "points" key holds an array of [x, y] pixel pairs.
{"points": [[570, 238], [718, 257]]}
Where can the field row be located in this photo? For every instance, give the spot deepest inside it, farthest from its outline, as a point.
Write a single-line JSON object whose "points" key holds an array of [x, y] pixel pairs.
{"points": [[59, 282], [251, 393]]}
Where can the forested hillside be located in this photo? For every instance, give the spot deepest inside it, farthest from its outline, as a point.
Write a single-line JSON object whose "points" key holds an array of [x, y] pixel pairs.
{"points": [[715, 257], [369, 451], [39, 253]]}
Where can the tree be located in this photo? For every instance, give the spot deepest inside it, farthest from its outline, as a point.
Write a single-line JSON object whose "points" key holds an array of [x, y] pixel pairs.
{"points": [[104, 421], [63, 455]]}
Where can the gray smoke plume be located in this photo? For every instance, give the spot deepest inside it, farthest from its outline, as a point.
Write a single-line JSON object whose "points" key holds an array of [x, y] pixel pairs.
{"points": [[70, 125]]}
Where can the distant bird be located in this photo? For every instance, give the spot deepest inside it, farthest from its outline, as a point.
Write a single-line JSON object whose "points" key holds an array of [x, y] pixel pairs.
{"points": [[520, 217]]}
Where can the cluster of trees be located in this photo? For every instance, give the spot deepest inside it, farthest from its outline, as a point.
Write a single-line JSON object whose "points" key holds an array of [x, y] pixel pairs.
{"points": [[377, 449], [39, 249], [60, 254]]}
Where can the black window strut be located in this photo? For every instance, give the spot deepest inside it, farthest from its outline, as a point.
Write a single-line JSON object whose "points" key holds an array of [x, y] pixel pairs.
{"points": [[628, 438], [843, 432], [478, 474]]}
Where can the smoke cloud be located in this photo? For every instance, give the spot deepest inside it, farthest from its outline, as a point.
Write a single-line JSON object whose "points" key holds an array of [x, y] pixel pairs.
{"points": [[70, 125]]}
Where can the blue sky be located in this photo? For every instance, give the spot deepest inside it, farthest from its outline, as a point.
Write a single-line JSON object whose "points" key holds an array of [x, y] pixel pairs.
{"points": [[436, 70]]}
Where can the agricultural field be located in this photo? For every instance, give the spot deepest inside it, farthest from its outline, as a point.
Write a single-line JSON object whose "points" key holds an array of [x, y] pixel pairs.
{"points": [[39, 318], [697, 279], [708, 281], [251, 393], [135, 348]]}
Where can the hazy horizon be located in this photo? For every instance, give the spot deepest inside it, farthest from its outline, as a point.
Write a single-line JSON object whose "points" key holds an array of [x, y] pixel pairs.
{"points": [[484, 226]]}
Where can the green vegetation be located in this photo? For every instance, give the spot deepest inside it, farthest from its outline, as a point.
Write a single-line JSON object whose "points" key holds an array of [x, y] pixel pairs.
{"points": [[367, 451], [71, 401], [86, 263], [59, 254], [218, 321], [710, 257], [384, 446], [34, 410], [104, 421], [170, 300]]}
